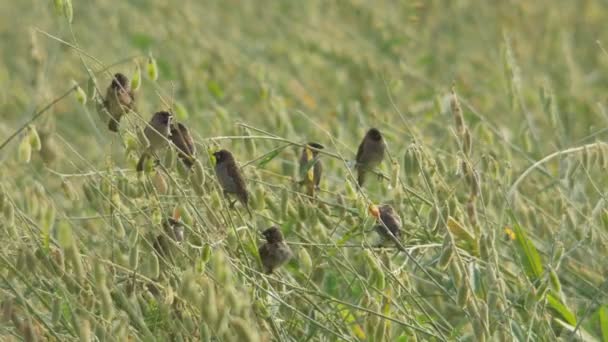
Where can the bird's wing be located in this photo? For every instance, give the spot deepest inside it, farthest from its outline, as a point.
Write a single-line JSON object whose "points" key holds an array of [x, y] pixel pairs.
{"points": [[237, 177]]}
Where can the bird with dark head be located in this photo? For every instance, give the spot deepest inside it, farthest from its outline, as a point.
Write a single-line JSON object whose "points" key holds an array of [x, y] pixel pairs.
{"points": [[181, 138], [230, 178], [388, 221], [157, 132], [275, 252], [119, 100], [311, 167], [370, 154]]}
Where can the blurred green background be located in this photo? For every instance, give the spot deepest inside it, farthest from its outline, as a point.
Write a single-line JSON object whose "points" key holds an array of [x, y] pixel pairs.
{"points": [[531, 79]]}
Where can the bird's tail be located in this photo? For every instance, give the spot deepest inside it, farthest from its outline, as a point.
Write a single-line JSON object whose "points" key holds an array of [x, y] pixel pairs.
{"points": [[361, 176], [310, 189]]}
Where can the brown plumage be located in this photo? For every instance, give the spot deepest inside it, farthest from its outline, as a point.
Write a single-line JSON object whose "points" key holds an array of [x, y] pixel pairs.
{"points": [[181, 138], [230, 178], [157, 132], [275, 252], [310, 159], [391, 221], [174, 230], [370, 154], [119, 100]]}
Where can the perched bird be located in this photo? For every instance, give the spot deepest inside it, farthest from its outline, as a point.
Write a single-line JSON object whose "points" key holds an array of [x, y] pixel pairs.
{"points": [[119, 100], [181, 138], [157, 132], [388, 219], [311, 167], [174, 230], [370, 154], [230, 178], [275, 251]]}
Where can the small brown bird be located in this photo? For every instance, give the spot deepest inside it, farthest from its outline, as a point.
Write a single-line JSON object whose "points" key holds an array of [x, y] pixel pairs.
{"points": [[311, 167], [275, 252], [391, 220], [230, 178], [181, 138], [119, 100], [370, 154], [157, 132], [174, 230]]}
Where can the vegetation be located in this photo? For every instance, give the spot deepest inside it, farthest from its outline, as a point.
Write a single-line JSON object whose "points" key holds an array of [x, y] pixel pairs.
{"points": [[494, 113]]}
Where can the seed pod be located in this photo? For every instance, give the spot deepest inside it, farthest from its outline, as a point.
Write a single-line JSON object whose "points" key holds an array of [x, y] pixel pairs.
{"points": [[58, 5], [170, 157], [152, 68], [136, 78], [80, 95], [56, 310], [107, 306], [198, 176], [68, 11], [154, 266], [160, 184], [305, 261], [209, 304], [119, 228], [446, 257], [84, 330], [24, 153], [156, 217], [73, 256], [466, 142], [68, 190], [463, 295], [556, 285], [457, 112], [134, 257], [34, 138], [456, 273]]}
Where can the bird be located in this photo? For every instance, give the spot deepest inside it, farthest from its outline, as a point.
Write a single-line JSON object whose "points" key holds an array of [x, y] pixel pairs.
{"points": [[388, 219], [157, 132], [230, 178], [275, 252], [181, 138], [370, 153], [311, 167], [119, 100], [173, 229]]}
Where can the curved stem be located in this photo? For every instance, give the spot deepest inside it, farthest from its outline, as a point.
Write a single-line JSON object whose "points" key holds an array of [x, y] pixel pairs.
{"points": [[548, 158]]}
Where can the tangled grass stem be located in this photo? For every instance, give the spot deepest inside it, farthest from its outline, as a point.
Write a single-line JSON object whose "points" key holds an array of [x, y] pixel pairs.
{"points": [[537, 164]]}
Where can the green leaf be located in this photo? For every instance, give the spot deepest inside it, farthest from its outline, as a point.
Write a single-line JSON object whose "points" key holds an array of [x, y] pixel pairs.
{"points": [[528, 255], [560, 308], [604, 322], [270, 155]]}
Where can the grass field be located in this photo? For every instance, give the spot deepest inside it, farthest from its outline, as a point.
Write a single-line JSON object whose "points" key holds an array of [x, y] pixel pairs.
{"points": [[494, 113]]}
